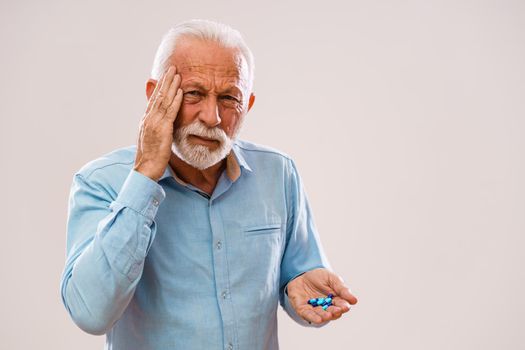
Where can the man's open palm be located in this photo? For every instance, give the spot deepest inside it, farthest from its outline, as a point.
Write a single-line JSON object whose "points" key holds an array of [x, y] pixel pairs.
{"points": [[319, 283]]}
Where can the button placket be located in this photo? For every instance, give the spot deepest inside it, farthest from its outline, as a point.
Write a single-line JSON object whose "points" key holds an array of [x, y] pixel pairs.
{"points": [[221, 273]]}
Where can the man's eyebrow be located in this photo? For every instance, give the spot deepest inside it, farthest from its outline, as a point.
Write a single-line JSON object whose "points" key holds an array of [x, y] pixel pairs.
{"points": [[194, 84], [231, 89]]}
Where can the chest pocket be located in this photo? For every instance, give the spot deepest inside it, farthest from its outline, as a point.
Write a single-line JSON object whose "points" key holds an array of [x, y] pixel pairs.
{"points": [[266, 229]]}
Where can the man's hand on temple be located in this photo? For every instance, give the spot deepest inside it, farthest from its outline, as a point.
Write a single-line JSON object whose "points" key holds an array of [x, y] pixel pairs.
{"points": [[156, 127], [319, 283]]}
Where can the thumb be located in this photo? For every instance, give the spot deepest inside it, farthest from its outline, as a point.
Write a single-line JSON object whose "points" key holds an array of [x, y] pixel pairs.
{"points": [[342, 290]]}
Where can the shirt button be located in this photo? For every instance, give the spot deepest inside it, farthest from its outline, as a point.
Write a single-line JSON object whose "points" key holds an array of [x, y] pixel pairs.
{"points": [[219, 245], [155, 202], [224, 295], [230, 346]]}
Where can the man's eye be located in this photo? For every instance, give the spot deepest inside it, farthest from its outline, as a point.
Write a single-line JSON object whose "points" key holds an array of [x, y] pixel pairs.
{"points": [[192, 93], [231, 98]]}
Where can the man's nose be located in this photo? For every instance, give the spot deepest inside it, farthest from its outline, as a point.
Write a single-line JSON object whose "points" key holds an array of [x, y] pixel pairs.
{"points": [[209, 114]]}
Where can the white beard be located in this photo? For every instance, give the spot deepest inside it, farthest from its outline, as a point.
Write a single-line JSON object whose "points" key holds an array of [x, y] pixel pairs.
{"points": [[200, 156]]}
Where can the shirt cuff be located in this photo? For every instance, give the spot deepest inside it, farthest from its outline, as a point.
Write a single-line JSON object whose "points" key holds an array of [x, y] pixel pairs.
{"points": [[141, 194]]}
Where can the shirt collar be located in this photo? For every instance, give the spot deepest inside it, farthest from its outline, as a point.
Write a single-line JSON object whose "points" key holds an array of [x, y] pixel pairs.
{"points": [[234, 162]]}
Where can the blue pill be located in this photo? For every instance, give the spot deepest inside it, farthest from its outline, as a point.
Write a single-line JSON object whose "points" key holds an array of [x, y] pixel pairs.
{"points": [[330, 296], [328, 300], [312, 301], [320, 301], [325, 307]]}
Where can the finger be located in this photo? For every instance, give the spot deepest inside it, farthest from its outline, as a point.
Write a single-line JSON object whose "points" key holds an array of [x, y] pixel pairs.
{"points": [[325, 316], [153, 96], [342, 304], [172, 91], [171, 113], [311, 316], [343, 291], [336, 311], [163, 97], [160, 102]]}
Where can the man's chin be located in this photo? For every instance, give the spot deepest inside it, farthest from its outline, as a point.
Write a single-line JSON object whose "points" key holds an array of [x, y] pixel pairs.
{"points": [[199, 156]]}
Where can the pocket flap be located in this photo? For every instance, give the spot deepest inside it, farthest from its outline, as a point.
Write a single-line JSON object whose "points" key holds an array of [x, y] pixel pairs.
{"points": [[263, 229]]}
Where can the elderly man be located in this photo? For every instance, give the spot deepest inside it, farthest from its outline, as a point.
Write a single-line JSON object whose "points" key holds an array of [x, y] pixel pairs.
{"points": [[192, 238]]}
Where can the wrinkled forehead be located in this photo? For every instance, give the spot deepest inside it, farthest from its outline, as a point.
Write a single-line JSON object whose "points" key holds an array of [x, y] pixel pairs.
{"points": [[196, 58]]}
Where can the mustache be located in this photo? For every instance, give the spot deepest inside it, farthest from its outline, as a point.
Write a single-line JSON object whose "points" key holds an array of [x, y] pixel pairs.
{"points": [[201, 130]]}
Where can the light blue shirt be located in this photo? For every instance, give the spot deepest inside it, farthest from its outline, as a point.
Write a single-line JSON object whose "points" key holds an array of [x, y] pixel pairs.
{"points": [[162, 265]]}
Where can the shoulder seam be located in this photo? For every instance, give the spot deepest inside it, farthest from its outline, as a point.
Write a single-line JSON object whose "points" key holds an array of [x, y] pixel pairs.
{"points": [[88, 174], [265, 151]]}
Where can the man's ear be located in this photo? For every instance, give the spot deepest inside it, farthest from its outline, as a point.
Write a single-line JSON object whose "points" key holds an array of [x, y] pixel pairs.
{"points": [[150, 87], [251, 101]]}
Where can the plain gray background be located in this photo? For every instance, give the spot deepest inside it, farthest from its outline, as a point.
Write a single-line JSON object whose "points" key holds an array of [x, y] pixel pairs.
{"points": [[406, 120]]}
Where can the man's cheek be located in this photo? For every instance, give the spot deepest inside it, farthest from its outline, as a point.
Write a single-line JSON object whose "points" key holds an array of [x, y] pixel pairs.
{"points": [[185, 115], [179, 121]]}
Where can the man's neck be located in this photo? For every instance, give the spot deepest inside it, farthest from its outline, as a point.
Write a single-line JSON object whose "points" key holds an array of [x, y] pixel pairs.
{"points": [[205, 180]]}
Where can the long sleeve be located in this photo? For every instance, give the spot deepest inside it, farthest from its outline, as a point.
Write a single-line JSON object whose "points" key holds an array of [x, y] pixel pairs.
{"points": [[107, 242], [303, 250]]}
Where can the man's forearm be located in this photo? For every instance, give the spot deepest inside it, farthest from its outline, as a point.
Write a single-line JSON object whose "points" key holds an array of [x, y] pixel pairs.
{"points": [[104, 266]]}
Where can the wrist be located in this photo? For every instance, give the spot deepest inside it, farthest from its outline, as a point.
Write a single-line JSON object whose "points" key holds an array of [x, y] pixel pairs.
{"points": [[148, 171]]}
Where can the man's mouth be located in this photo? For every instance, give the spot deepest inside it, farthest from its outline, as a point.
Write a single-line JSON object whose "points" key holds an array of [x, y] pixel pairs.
{"points": [[203, 139]]}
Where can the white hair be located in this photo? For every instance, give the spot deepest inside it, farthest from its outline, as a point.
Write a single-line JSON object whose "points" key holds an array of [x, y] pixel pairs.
{"points": [[206, 30]]}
